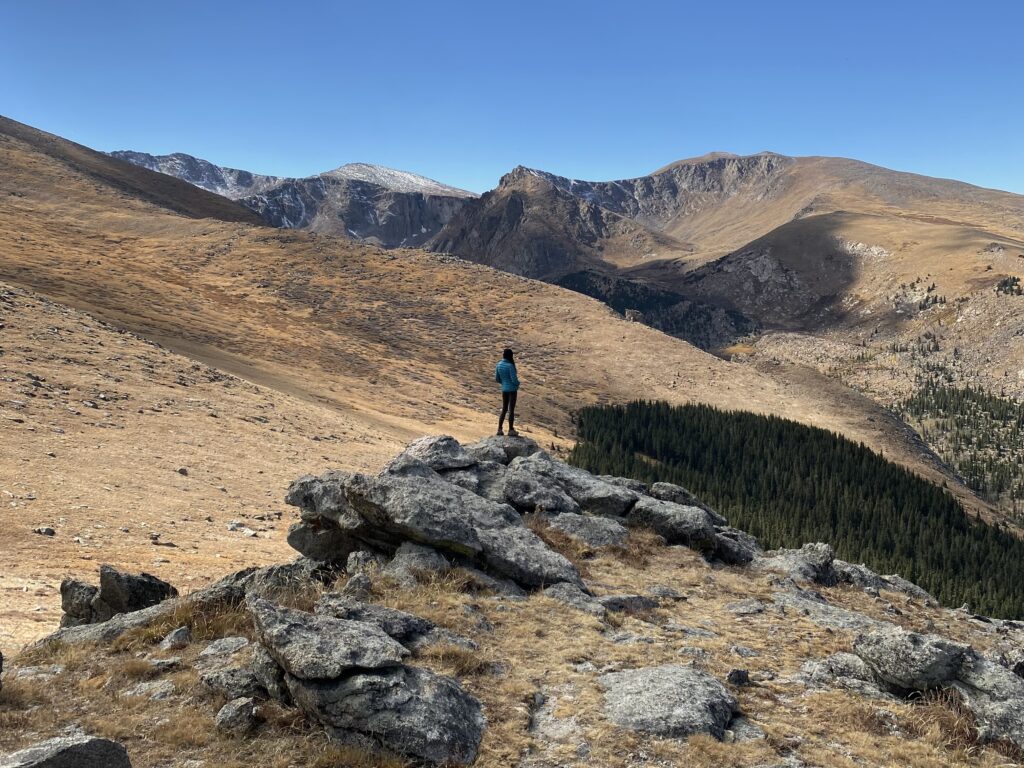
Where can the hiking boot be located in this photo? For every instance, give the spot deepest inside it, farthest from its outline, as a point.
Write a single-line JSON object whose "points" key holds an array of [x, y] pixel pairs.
{"points": [[513, 433], [501, 432]]}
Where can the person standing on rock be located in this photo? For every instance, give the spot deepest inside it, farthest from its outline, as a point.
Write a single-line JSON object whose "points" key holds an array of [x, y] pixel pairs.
{"points": [[505, 374]]}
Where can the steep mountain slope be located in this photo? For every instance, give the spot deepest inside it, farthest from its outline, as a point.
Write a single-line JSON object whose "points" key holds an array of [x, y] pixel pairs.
{"points": [[229, 182], [539, 225], [359, 347], [368, 203], [113, 183]]}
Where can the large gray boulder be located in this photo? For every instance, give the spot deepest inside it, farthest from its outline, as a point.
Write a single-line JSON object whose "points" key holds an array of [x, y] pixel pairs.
{"points": [[670, 701], [124, 592], [908, 661], [680, 495], [812, 562], [519, 554], [390, 509], [486, 478], [676, 523], [529, 492], [502, 449], [593, 531], [70, 752], [593, 495], [76, 601], [406, 710], [412, 631], [996, 697], [310, 647], [841, 670], [439, 452], [735, 547]]}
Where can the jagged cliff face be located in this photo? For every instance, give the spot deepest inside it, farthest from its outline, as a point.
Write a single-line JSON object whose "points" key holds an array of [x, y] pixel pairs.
{"points": [[364, 202], [358, 209], [532, 227], [683, 189], [545, 226]]}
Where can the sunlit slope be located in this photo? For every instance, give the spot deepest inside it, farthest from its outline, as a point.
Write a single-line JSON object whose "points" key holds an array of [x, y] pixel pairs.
{"points": [[405, 340]]}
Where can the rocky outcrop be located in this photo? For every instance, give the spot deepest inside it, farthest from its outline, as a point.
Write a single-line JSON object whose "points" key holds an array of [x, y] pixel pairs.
{"points": [[312, 647], [670, 701], [863, 577], [117, 593], [223, 594], [677, 524], [891, 661], [418, 505], [448, 505], [593, 531], [350, 675], [810, 563], [70, 752]]}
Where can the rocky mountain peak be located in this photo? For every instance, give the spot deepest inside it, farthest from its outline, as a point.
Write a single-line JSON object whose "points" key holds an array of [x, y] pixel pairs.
{"points": [[228, 182], [395, 180]]}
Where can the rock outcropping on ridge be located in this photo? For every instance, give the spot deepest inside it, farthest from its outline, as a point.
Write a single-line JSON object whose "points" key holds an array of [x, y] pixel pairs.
{"points": [[315, 642]]}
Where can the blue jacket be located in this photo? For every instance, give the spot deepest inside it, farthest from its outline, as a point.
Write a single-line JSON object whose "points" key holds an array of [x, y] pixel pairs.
{"points": [[505, 373]]}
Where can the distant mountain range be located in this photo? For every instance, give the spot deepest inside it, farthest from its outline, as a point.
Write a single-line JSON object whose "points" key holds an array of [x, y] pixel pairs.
{"points": [[369, 203], [708, 249]]}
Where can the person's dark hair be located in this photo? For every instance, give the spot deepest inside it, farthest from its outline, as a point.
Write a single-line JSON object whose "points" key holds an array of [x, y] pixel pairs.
{"points": [[507, 354]]}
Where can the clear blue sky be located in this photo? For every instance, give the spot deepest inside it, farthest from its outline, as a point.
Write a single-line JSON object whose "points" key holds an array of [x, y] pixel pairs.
{"points": [[463, 92]]}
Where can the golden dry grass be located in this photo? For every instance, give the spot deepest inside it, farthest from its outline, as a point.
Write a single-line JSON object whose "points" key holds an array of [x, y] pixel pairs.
{"points": [[539, 647]]}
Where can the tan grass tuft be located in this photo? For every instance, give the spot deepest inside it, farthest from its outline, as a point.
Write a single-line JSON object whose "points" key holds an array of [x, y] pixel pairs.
{"points": [[639, 548], [457, 660]]}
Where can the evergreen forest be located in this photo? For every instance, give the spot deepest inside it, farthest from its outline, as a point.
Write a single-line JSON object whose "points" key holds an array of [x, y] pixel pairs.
{"points": [[788, 484]]}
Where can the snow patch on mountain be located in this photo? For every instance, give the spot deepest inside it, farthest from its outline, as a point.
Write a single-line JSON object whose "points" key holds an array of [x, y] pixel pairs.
{"points": [[396, 181]]}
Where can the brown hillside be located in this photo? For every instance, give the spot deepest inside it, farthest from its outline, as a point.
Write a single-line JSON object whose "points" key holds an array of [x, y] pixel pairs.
{"points": [[114, 182], [358, 347]]}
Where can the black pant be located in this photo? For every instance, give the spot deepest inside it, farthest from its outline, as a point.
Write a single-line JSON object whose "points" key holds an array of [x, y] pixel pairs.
{"points": [[508, 405]]}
